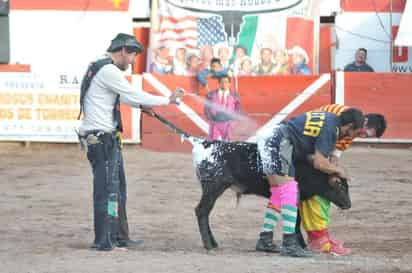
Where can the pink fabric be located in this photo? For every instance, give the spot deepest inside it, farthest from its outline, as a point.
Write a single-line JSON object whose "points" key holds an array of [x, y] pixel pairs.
{"points": [[275, 197], [221, 130], [285, 194]]}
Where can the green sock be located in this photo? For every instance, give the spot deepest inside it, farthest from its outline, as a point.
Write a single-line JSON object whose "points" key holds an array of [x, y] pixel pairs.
{"points": [[270, 220], [289, 215]]}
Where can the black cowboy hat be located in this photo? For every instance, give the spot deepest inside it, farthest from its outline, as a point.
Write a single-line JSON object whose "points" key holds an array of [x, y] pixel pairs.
{"points": [[125, 40]]}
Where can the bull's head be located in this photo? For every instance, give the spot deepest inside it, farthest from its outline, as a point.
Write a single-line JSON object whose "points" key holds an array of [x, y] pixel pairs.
{"points": [[339, 194]]}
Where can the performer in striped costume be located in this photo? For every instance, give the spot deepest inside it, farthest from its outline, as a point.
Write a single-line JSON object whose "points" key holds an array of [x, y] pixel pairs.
{"points": [[315, 210]]}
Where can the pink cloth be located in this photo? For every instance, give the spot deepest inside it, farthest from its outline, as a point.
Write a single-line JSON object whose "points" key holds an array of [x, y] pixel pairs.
{"points": [[285, 194], [220, 130]]}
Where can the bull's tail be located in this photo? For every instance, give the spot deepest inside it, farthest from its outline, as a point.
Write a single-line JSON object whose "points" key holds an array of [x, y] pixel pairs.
{"points": [[184, 135]]}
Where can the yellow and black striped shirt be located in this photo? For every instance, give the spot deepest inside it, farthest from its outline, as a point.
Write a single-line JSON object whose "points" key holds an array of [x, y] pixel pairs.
{"points": [[337, 109]]}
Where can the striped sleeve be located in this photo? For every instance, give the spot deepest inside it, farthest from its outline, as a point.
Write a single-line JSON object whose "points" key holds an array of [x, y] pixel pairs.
{"points": [[337, 109]]}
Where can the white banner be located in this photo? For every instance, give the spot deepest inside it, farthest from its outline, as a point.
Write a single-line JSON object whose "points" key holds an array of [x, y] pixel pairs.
{"points": [[56, 42], [31, 109]]}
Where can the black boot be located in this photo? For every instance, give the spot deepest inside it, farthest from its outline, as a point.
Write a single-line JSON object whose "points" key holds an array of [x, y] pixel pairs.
{"points": [[291, 247], [104, 240], [265, 243], [129, 243]]}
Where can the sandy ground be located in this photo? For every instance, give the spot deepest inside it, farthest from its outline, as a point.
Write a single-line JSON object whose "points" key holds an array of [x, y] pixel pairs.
{"points": [[46, 220]]}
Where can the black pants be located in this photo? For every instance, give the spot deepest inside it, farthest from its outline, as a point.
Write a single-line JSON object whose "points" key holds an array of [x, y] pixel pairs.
{"points": [[109, 191]]}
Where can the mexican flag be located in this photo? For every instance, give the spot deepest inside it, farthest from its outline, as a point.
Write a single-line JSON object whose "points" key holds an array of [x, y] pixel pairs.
{"points": [[262, 31], [282, 30]]}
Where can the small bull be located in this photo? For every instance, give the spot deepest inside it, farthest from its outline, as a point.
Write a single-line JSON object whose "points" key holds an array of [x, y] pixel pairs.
{"points": [[222, 165]]}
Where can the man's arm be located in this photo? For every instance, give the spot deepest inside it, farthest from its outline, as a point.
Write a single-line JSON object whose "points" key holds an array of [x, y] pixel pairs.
{"points": [[115, 80], [323, 164]]}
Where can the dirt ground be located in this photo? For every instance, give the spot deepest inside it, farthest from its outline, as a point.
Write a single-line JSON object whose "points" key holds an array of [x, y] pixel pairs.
{"points": [[46, 216]]}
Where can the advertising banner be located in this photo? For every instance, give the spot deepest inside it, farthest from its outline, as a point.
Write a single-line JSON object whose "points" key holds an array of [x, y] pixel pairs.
{"points": [[33, 110]]}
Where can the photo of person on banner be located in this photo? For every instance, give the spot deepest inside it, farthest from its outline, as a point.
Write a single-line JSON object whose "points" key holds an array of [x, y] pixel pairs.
{"points": [[300, 60], [275, 40], [161, 63], [221, 107]]}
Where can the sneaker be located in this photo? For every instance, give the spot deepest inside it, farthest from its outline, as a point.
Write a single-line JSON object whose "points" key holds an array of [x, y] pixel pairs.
{"points": [[320, 245], [335, 241], [339, 250]]}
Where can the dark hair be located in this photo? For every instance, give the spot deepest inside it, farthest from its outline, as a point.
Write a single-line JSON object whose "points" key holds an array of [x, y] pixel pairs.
{"points": [[215, 60], [352, 115], [364, 50], [376, 121]]}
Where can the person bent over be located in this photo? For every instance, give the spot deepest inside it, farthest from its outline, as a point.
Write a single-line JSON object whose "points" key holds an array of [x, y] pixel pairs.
{"points": [[315, 211], [292, 141]]}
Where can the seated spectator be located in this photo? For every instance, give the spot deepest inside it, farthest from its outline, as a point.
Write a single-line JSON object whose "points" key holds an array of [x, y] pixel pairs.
{"points": [[161, 63], [359, 65], [282, 62], [223, 53], [220, 109], [300, 60], [193, 64], [240, 55], [179, 62], [214, 71], [206, 56], [266, 65], [246, 67]]}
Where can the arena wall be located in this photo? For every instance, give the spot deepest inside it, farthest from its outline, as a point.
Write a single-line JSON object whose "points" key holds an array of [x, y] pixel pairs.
{"points": [[265, 98]]}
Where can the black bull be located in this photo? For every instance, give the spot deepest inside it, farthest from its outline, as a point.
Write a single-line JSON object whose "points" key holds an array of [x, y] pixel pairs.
{"points": [[221, 165], [235, 165]]}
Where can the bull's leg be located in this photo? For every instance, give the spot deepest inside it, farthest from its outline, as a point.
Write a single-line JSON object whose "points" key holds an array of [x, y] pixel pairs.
{"points": [[299, 235], [211, 192]]}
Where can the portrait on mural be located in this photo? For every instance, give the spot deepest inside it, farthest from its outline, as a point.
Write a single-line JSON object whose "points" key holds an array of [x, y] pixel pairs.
{"points": [[248, 37]]}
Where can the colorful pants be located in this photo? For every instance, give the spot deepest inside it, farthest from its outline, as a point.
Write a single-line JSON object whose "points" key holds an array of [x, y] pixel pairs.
{"points": [[315, 213]]}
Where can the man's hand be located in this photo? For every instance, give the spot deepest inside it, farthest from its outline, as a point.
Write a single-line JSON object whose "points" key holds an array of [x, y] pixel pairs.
{"points": [[148, 110], [334, 160], [176, 97], [343, 173]]}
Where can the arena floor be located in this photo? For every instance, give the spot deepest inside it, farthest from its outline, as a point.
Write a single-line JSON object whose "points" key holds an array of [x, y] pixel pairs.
{"points": [[46, 220]]}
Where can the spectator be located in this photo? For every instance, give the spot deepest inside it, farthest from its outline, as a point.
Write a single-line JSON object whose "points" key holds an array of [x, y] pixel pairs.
{"points": [[240, 55], [246, 67], [282, 62], [214, 71], [161, 62], [266, 65], [206, 56], [220, 107], [359, 65], [179, 62], [300, 60], [193, 64], [223, 54]]}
